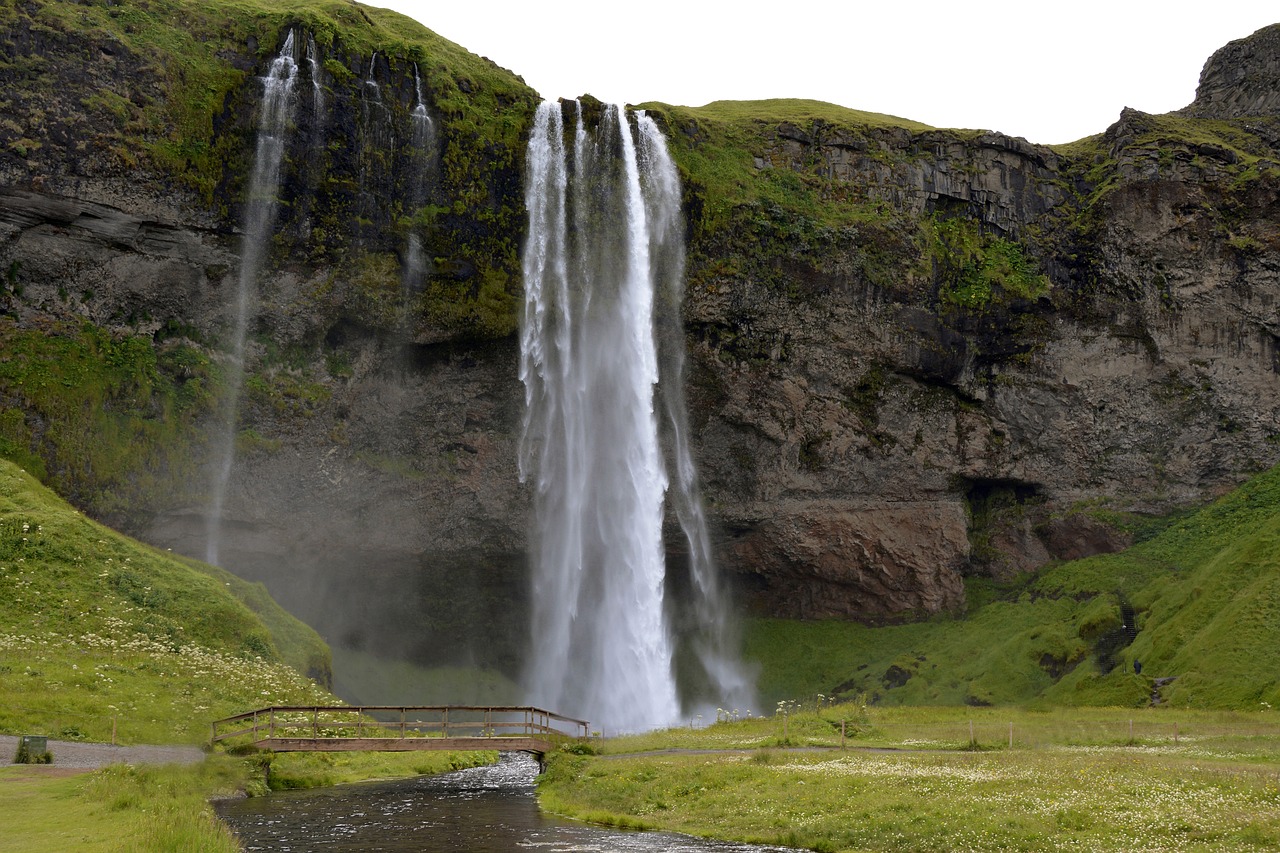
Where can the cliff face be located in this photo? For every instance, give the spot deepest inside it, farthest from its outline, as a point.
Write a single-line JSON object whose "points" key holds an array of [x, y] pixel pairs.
{"points": [[915, 354], [1241, 80], [868, 443], [374, 485]]}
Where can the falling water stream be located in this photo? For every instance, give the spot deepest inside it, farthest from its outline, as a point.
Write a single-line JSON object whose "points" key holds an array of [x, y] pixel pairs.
{"points": [[260, 217], [603, 255], [482, 810], [317, 93], [424, 142]]}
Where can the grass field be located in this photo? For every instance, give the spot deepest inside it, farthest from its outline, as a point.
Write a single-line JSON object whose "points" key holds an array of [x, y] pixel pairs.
{"points": [[117, 809], [912, 779]]}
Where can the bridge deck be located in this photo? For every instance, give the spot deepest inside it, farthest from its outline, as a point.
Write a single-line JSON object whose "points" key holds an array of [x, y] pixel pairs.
{"points": [[395, 744], [383, 728]]}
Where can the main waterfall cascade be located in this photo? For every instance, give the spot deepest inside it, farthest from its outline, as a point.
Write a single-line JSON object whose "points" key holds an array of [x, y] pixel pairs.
{"points": [[260, 216], [604, 252]]}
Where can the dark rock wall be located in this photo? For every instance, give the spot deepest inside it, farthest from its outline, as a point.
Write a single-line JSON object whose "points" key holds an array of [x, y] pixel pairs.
{"points": [[1241, 79], [374, 489], [866, 444]]}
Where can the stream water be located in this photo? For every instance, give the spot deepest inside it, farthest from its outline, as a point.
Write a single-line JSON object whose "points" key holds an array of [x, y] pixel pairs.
{"points": [[481, 810]]}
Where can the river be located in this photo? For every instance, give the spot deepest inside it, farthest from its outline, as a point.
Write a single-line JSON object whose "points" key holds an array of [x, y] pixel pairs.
{"points": [[481, 810]]}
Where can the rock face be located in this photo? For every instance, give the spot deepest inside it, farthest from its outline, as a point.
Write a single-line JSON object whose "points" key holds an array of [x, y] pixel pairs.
{"points": [[1008, 349], [1242, 79], [842, 409], [374, 487]]}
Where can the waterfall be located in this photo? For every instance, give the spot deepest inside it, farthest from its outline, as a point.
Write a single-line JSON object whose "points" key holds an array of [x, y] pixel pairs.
{"points": [[604, 252], [259, 219], [424, 143], [317, 94], [371, 85], [376, 147], [421, 119], [715, 640]]}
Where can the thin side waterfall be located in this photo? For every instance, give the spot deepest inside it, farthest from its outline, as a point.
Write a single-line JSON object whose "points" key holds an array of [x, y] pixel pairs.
{"points": [[603, 253], [371, 85], [260, 215], [376, 145], [715, 639], [317, 93], [421, 118], [424, 143]]}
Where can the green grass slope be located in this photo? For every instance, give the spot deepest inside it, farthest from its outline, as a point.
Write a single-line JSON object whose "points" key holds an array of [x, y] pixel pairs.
{"points": [[1205, 592], [98, 630]]}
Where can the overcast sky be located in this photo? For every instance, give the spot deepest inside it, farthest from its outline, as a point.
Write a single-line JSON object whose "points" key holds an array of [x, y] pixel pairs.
{"points": [[1048, 72]]}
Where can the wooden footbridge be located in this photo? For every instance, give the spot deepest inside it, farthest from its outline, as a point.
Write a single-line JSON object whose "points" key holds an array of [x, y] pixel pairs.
{"points": [[396, 728]]}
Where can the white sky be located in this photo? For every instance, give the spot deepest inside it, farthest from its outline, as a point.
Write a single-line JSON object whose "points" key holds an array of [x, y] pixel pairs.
{"points": [[1048, 72]]}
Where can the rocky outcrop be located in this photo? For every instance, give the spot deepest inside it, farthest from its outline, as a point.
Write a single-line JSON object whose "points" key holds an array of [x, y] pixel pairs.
{"points": [[1004, 181], [874, 562], [108, 265], [1241, 79]]}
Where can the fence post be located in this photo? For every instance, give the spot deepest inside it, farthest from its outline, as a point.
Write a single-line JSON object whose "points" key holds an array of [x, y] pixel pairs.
{"points": [[1011, 735], [972, 740], [842, 722]]}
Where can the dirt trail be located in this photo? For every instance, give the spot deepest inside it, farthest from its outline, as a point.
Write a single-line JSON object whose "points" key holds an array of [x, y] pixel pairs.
{"points": [[88, 756]]}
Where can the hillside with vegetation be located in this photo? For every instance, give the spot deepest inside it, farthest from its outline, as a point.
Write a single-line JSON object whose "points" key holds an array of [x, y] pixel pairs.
{"points": [[1196, 602], [101, 635]]}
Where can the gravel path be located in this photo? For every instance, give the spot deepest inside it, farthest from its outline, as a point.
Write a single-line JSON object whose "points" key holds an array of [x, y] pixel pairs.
{"points": [[87, 756]]}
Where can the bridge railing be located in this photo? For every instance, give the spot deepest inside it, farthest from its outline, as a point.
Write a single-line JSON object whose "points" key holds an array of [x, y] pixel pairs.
{"points": [[397, 721]]}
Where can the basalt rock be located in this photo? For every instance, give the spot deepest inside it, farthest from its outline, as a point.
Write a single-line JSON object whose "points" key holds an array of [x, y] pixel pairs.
{"points": [[1241, 79]]}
